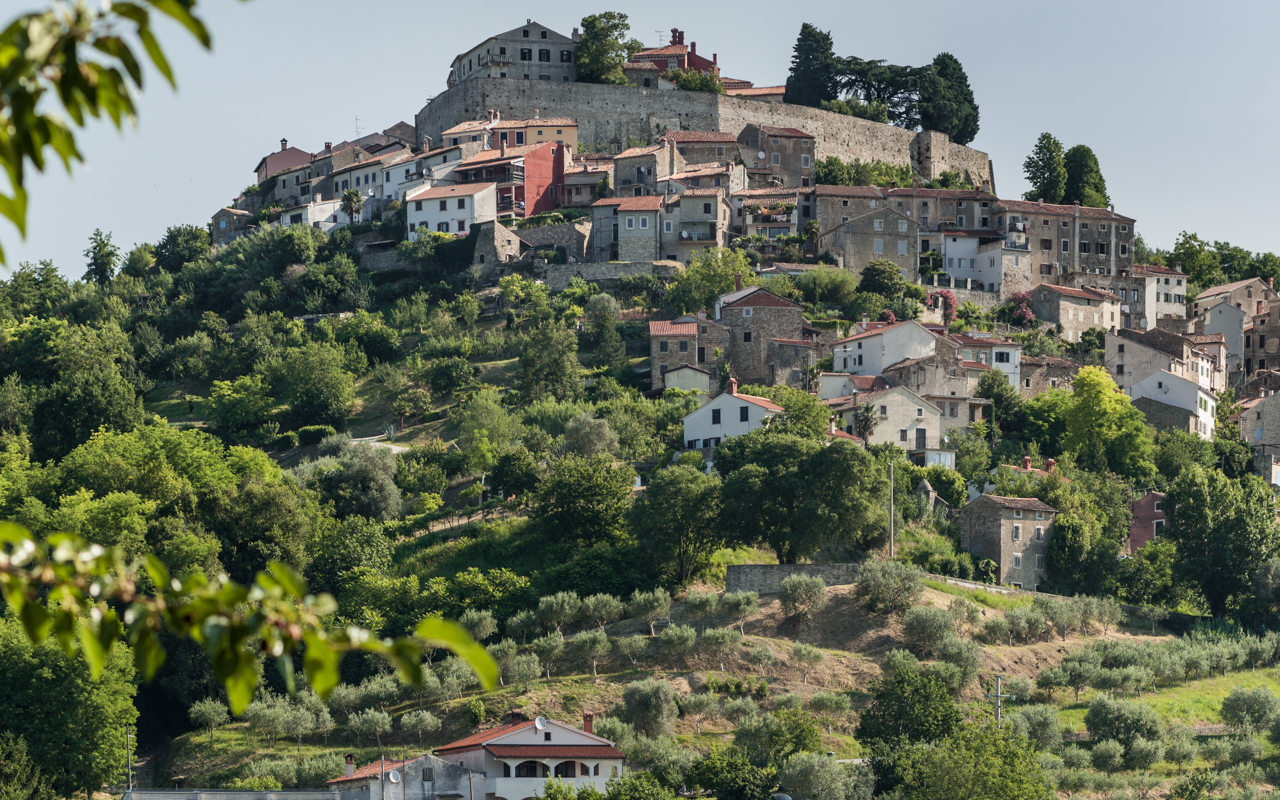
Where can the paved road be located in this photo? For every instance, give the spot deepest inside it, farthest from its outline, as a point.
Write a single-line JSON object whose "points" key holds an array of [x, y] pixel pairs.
{"points": [[376, 441]]}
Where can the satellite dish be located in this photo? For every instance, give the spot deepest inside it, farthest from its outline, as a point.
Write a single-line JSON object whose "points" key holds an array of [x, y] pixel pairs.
{"points": [[762, 155], [540, 723], [393, 776], [684, 234]]}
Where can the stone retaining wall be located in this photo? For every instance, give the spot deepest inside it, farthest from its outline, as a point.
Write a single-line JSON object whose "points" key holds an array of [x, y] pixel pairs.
{"points": [[605, 274], [767, 578]]}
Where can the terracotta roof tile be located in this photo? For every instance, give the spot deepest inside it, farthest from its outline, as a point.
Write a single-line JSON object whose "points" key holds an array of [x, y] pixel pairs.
{"points": [[1083, 294], [756, 91], [760, 298], [764, 403], [461, 190], [664, 328], [770, 130], [372, 770], [839, 434], [640, 65], [941, 194], [651, 202], [1022, 503], [825, 190], [512, 152], [1032, 207], [872, 332], [478, 739], [1225, 287], [665, 50], [635, 152]]}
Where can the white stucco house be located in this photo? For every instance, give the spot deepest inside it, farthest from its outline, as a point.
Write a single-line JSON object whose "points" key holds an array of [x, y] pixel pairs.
{"points": [[516, 759], [450, 209], [729, 414], [903, 418], [870, 350], [323, 214], [1167, 394], [842, 384]]}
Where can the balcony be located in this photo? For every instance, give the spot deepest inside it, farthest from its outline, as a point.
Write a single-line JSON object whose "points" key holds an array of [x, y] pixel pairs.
{"points": [[513, 175], [492, 59]]}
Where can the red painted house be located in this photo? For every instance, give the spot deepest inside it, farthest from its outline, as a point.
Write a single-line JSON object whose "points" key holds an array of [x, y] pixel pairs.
{"points": [[1148, 520], [527, 176]]}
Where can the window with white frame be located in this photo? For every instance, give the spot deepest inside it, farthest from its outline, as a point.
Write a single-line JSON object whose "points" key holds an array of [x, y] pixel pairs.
{"points": [[1017, 533], [902, 226], [1039, 561], [631, 222], [1017, 513], [1039, 533], [1039, 515], [879, 249], [902, 247], [804, 160], [1017, 561], [879, 225], [644, 222]]}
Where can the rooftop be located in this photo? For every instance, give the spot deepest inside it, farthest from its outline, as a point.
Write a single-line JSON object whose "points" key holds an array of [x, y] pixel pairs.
{"points": [[1034, 207], [478, 739], [664, 328], [876, 330], [373, 770], [651, 202], [770, 130], [757, 91], [699, 136], [825, 190], [634, 152], [1021, 503], [1085, 293], [437, 192]]}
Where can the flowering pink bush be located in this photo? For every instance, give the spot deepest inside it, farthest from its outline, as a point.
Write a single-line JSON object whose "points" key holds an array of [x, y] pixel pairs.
{"points": [[949, 305], [1019, 309], [887, 316]]}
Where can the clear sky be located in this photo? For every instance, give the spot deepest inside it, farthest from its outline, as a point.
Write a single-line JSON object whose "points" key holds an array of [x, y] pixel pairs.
{"points": [[1160, 90]]}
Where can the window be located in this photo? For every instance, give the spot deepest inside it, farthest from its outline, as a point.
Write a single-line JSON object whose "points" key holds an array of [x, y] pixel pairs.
{"points": [[1039, 561], [1039, 534], [544, 34], [526, 54], [1084, 226], [706, 208], [1017, 513], [1017, 561], [874, 203], [746, 312], [884, 411], [879, 225], [631, 223], [1066, 224], [902, 435], [1157, 528], [462, 202], [1002, 357], [1084, 247], [644, 222], [444, 205], [666, 226], [902, 247], [879, 246], [919, 412], [544, 56], [442, 227], [684, 346], [1102, 248], [746, 337], [777, 159], [525, 34], [960, 220], [1066, 245], [743, 414], [566, 56], [1017, 533], [804, 160], [715, 416], [1102, 227], [519, 137], [902, 226]]}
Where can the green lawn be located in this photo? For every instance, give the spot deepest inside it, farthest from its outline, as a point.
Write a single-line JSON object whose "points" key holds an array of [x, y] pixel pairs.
{"points": [[1196, 703], [1000, 602], [169, 401]]}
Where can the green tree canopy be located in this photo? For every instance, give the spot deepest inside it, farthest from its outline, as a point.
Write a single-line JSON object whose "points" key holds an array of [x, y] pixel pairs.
{"points": [[814, 76], [603, 48], [978, 760], [677, 517], [1085, 184], [1046, 171], [585, 500], [101, 257], [946, 101], [319, 388], [709, 275], [1105, 431]]}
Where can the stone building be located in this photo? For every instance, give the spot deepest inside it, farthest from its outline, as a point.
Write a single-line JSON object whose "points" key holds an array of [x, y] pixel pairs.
{"points": [[672, 344], [229, 224], [1014, 532], [675, 54], [758, 320], [787, 153], [495, 245], [940, 210], [582, 181], [1070, 238], [1131, 356], [703, 147], [946, 381], [1229, 322], [835, 205], [881, 233], [626, 229], [1075, 310], [728, 176], [870, 349], [902, 418], [426, 777], [1040, 374], [495, 130], [695, 220], [637, 170], [526, 176], [1175, 402], [1252, 295], [1148, 294], [529, 52], [645, 75], [282, 160], [569, 238]]}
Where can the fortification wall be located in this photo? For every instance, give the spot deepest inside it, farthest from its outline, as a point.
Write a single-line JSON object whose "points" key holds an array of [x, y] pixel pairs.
{"points": [[605, 112]]}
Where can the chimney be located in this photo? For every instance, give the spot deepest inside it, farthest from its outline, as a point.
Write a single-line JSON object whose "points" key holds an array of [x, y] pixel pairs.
{"points": [[864, 322], [1177, 266], [328, 145], [517, 716], [351, 765], [588, 721], [537, 113], [832, 427], [1026, 462], [715, 59], [893, 184], [733, 386], [1050, 463], [503, 146], [1271, 283], [693, 49], [528, 21], [737, 281], [284, 144]]}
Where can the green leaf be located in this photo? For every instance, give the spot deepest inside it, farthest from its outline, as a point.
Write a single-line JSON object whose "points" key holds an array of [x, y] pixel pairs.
{"points": [[453, 637], [148, 655], [36, 621], [157, 55], [320, 663], [241, 682], [94, 653], [284, 664], [14, 533], [158, 572], [182, 13], [14, 208], [290, 580]]}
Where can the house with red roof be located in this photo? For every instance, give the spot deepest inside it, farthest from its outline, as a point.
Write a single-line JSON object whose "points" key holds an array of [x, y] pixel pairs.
{"points": [[728, 414], [677, 55], [423, 777], [872, 348], [526, 176], [517, 758], [787, 153], [899, 417], [285, 158], [1074, 310], [450, 208]]}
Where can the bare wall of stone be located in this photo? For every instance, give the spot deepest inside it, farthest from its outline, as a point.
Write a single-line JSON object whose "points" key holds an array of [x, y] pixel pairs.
{"points": [[607, 112], [767, 578], [572, 236], [604, 274]]}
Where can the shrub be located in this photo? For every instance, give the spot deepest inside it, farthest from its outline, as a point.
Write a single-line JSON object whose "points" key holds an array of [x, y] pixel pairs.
{"points": [[896, 661], [701, 606], [314, 771], [1040, 725], [831, 706], [284, 772], [790, 700], [761, 692], [740, 709], [721, 643], [926, 627], [806, 657], [996, 630], [633, 647], [739, 605], [949, 675], [1216, 751], [1107, 756], [650, 707], [260, 783], [1250, 708], [1021, 689], [1245, 749], [890, 586], [1144, 754], [1075, 758], [802, 596], [475, 711], [965, 655], [1124, 721], [678, 641], [285, 441], [314, 434], [480, 624], [1181, 747]]}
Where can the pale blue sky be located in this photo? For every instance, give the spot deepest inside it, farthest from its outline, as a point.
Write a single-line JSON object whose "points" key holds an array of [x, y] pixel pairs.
{"points": [[1176, 98]]}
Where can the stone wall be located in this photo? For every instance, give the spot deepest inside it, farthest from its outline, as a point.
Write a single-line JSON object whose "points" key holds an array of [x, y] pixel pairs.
{"points": [[572, 236], [767, 578], [605, 113], [605, 274], [960, 288]]}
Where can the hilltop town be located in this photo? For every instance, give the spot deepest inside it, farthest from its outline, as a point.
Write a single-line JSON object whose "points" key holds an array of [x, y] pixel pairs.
{"points": [[618, 429]]}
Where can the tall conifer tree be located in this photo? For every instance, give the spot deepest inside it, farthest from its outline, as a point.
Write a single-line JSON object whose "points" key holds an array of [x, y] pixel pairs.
{"points": [[814, 69]]}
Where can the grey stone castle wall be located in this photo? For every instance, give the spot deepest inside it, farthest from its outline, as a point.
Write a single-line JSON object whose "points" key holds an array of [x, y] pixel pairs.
{"points": [[605, 112]]}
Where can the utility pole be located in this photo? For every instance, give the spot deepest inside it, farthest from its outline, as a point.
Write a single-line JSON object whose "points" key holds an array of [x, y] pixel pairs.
{"points": [[128, 760], [998, 696], [890, 509]]}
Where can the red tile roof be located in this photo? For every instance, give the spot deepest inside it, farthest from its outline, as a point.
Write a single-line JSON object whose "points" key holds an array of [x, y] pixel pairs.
{"points": [[1155, 269], [796, 342], [651, 202], [777, 191], [640, 65], [1084, 294], [764, 403], [879, 329], [941, 194], [664, 328], [667, 50], [373, 770], [634, 152], [554, 751], [865, 383], [761, 298], [974, 365], [769, 130], [839, 434], [699, 136], [549, 122], [496, 153], [1226, 287], [370, 161], [824, 190], [478, 739], [1022, 503], [755, 91], [1032, 207], [437, 192], [702, 191], [996, 341]]}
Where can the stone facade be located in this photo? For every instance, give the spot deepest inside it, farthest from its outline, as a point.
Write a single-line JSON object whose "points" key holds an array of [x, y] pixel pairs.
{"points": [[754, 321], [694, 221], [495, 245], [228, 225], [881, 233], [638, 170], [671, 345], [703, 147], [788, 153], [1042, 373], [1076, 238], [605, 113], [767, 578], [1163, 416], [605, 275], [1075, 310], [1014, 532], [1253, 295], [532, 52], [572, 237]]}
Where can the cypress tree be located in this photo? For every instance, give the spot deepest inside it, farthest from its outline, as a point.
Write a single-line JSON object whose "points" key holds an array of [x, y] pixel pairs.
{"points": [[1085, 183], [814, 69], [1046, 171]]}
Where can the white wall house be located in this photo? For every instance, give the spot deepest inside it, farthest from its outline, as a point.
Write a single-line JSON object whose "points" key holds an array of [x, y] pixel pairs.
{"points": [[518, 758], [324, 214], [1228, 320], [1180, 393], [842, 384], [983, 347], [869, 352], [903, 418], [729, 414], [451, 209]]}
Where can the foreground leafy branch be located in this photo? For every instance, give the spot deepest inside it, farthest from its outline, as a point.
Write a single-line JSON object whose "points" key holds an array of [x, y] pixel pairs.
{"points": [[88, 598]]}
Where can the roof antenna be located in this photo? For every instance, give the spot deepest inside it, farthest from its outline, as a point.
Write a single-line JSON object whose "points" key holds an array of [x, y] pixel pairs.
{"points": [[660, 35], [357, 127]]}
